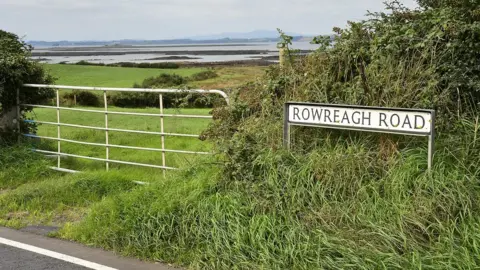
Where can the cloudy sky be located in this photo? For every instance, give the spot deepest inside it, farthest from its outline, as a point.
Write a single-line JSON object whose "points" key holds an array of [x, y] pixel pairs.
{"points": [[165, 19]]}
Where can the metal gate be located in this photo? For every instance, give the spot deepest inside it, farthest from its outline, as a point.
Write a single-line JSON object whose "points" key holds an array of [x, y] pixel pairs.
{"points": [[106, 129]]}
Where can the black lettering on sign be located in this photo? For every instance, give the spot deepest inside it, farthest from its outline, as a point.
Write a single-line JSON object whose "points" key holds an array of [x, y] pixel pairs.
{"points": [[345, 117], [407, 122], [419, 118], [296, 112], [356, 122], [383, 119], [317, 116], [306, 112], [327, 115], [395, 120], [366, 118], [336, 116]]}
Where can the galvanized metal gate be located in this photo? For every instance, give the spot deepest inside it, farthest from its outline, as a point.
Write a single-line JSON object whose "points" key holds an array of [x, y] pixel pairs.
{"points": [[106, 129]]}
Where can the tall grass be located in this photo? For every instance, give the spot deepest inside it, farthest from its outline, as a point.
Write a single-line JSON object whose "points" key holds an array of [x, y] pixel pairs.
{"points": [[328, 209], [58, 199], [19, 165]]}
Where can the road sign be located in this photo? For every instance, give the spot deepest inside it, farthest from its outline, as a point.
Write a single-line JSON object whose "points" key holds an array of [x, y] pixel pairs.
{"points": [[415, 122]]}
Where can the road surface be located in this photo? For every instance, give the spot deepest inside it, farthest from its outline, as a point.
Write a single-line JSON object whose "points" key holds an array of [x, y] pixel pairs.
{"points": [[24, 250]]}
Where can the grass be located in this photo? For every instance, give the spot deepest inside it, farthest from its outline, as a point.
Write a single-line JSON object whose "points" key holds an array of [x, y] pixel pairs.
{"points": [[19, 166], [58, 199], [324, 210], [108, 76]]}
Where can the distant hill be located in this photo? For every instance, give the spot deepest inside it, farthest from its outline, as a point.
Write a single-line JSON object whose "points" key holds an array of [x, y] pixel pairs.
{"points": [[257, 34]]}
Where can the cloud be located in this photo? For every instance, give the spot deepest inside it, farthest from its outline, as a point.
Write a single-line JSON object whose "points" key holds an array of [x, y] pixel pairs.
{"points": [[116, 19]]}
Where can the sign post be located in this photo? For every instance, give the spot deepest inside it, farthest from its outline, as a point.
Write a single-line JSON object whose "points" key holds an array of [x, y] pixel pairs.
{"points": [[414, 122]]}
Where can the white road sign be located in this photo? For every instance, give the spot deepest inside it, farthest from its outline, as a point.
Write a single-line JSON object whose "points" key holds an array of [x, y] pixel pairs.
{"points": [[388, 120]]}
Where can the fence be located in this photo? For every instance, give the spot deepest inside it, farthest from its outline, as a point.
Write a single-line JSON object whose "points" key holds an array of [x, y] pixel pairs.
{"points": [[106, 129]]}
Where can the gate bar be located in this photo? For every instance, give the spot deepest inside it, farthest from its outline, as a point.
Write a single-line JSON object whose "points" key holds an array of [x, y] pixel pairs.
{"points": [[118, 146], [104, 160], [18, 115], [119, 113], [115, 129], [139, 90]]}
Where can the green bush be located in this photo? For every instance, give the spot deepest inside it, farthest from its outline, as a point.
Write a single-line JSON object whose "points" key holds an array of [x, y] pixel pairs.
{"points": [[16, 69], [184, 100], [83, 98], [164, 80], [86, 63], [133, 100], [204, 75]]}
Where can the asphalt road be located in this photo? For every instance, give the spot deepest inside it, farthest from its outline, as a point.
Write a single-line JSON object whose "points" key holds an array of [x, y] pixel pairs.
{"points": [[14, 259], [31, 250]]}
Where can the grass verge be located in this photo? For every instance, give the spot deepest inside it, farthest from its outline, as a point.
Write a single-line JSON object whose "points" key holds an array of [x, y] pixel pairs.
{"points": [[332, 208], [328, 209]]}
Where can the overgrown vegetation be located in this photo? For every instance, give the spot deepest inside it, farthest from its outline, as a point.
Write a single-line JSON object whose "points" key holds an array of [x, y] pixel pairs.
{"points": [[17, 69], [19, 166]]}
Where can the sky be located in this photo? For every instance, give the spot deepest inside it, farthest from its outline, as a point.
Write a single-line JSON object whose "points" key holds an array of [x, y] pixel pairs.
{"points": [[167, 19]]}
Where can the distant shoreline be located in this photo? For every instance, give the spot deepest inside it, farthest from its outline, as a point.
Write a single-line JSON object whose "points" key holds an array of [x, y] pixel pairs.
{"points": [[183, 52], [108, 47], [198, 55], [180, 64]]}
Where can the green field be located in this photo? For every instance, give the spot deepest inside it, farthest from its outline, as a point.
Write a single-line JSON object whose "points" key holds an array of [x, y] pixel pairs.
{"points": [[108, 76], [78, 75]]}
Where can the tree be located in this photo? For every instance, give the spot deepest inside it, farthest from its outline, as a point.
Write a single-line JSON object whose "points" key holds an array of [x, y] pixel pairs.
{"points": [[16, 69], [462, 4]]}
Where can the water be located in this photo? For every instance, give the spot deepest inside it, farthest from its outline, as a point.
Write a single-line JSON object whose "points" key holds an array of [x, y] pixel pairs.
{"points": [[146, 53]]}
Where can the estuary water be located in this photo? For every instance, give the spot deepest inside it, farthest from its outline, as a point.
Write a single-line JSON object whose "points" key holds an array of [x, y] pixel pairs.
{"points": [[163, 53]]}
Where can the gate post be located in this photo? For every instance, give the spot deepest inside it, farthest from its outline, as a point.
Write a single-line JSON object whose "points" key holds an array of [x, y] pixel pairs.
{"points": [[107, 144], [160, 97], [18, 116]]}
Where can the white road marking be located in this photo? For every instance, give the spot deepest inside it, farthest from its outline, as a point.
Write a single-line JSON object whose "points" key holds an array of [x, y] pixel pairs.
{"points": [[55, 255]]}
